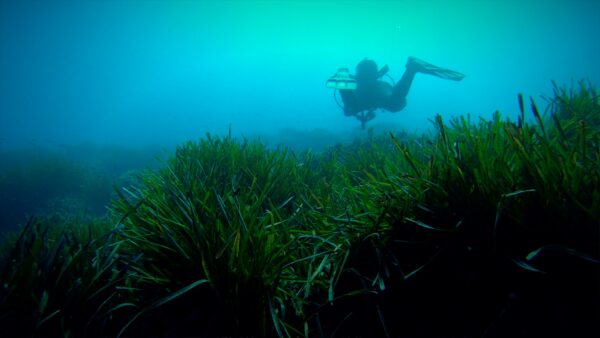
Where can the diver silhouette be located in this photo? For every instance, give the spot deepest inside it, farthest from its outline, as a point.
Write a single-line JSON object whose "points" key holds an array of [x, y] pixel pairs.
{"points": [[365, 92]]}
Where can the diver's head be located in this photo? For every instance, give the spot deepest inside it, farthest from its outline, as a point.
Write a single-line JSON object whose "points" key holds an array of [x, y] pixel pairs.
{"points": [[366, 71]]}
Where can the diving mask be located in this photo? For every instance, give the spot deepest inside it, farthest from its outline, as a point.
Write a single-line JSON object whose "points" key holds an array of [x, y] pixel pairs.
{"points": [[341, 80]]}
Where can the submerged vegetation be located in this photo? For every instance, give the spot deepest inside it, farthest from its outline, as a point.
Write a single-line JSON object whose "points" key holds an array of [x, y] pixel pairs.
{"points": [[64, 181], [488, 228]]}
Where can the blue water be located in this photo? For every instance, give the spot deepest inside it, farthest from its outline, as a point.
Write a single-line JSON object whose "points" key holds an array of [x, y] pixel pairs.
{"points": [[136, 73]]}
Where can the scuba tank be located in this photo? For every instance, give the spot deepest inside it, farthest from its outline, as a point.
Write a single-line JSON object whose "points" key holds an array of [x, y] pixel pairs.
{"points": [[343, 80]]}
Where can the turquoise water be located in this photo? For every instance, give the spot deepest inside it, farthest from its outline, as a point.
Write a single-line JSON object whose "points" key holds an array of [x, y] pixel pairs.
{"points": [[91, 92], [160, 72]]}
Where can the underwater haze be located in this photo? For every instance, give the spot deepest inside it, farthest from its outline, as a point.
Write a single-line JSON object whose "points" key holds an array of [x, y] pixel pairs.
{"points": [[186, 169], [137, 73]]}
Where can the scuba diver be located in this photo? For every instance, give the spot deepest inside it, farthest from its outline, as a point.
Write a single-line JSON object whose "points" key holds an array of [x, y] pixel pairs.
{"points": [[365, 92]]}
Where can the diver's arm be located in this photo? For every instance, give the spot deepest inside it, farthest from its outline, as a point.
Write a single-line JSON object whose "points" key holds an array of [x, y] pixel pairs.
{"points": [[350, 101]]}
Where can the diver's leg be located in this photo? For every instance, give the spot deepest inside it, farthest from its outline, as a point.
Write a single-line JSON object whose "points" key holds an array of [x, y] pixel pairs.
{"points": [[397, 100], [403, 86]]}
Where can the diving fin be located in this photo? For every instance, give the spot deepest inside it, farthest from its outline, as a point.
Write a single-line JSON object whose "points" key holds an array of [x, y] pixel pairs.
{"points": [[427, 68]]}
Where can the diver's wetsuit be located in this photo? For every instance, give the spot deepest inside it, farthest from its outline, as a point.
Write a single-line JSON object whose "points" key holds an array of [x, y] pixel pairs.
{"points": [[371, 93]]}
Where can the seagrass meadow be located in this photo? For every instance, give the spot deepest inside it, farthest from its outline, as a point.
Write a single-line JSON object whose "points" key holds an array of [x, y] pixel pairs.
{"points": [[487, 228]]}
